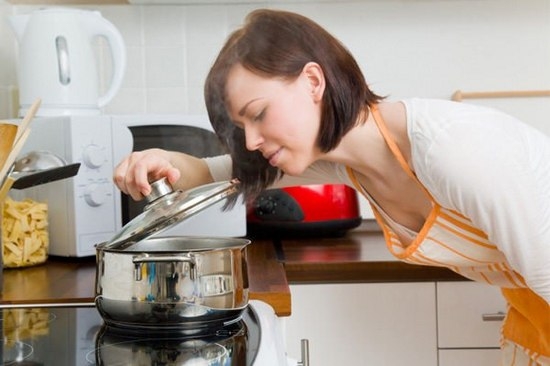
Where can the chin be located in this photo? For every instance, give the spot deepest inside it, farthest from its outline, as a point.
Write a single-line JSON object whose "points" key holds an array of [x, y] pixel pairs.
{"points": [[293, 170], [296, 164]]}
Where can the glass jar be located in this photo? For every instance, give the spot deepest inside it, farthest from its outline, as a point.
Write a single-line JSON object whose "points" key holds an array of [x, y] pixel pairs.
{"points": [[25, 237], [1, 254]]}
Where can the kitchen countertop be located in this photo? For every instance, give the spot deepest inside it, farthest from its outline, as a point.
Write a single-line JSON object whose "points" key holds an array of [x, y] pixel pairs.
{"points": [[356, 257], [360, 256]]}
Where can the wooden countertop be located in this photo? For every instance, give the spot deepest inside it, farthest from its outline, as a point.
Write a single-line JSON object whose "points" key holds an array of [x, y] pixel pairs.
{"points": [[358, 256]]}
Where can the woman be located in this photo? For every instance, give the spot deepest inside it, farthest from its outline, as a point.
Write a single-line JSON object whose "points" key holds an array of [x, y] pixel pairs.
{"points": [[451, 184]]}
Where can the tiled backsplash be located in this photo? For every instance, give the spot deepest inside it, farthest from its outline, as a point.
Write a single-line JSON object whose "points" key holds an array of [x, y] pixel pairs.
{"points": [[421, 48]]}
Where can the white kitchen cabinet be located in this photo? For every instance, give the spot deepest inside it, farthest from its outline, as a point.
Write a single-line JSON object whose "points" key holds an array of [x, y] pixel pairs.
{"points": [[469, 318], [364, 324], [469, 357]]}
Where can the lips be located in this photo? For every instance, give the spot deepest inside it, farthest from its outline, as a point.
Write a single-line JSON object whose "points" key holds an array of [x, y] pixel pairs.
{"points": [[272, 157]]}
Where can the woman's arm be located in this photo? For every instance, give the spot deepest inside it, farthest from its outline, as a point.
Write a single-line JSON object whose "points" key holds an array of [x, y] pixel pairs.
{"points": [[321, 172]]}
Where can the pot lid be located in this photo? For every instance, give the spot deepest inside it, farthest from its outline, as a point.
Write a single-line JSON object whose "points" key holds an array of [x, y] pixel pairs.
{"points": [[167, 207]]}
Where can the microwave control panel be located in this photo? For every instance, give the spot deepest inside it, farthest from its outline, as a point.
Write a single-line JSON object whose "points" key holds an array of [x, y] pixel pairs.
{"points": [[82, 210]]}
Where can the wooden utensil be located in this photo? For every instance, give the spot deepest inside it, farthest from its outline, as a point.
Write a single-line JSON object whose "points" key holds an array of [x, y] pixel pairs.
{"points": [[24, 125], [8, 132], [5, 188]]}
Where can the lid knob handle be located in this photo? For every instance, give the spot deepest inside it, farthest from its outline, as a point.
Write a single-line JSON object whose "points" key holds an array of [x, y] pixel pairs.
{"points": [[159, 188]]}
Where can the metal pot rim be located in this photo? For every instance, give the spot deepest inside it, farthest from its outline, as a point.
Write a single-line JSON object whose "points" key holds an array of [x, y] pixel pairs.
{"points": [[232, 243]]}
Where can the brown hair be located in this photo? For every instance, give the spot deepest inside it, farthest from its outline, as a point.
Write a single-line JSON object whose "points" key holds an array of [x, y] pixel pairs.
{"points": [[279, 44]]}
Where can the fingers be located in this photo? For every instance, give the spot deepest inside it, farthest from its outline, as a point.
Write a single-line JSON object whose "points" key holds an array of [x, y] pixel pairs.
{"points": [[173, 175], [125, 177], [133, 174], [119, 175]]}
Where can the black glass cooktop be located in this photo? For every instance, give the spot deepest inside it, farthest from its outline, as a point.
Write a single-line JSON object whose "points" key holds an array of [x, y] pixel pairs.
{"points": [[75, 336]]}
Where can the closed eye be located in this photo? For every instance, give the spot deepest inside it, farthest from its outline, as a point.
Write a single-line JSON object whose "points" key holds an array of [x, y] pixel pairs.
{"points": [[260, 116], [238, 124]]}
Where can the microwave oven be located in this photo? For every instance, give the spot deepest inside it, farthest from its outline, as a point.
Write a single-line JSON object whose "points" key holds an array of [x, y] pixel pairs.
{"points": [[88, 208]]}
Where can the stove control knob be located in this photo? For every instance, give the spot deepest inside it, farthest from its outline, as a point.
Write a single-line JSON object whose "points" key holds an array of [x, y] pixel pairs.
{"points": [[95, 195], [94, 156]]}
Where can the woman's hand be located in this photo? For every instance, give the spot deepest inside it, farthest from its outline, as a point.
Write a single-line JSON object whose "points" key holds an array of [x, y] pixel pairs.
{"points": [[133, 173]]}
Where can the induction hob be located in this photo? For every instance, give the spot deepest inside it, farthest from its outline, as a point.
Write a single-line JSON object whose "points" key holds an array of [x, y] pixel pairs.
{"points": [[77, 335]]}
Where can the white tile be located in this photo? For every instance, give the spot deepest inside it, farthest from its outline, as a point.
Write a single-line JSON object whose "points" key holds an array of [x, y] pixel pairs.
{"points": [[128, 21], [8, 49], [205, 32], [205, 24], [127, 101], [135, 68], [164, 67], [195, 97], [198, 61], [163, 26], [167, 100], [236, 14], [172, 47]]}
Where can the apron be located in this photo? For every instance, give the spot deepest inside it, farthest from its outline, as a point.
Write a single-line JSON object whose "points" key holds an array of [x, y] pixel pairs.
{"points": [[449, 239]]}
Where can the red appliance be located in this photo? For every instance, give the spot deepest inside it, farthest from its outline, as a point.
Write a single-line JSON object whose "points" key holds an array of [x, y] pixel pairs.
{"points": [[307, 210]]}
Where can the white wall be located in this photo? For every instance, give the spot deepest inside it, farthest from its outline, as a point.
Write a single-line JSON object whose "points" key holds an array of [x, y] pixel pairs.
{"points": [[8, 78], [425, 48]]}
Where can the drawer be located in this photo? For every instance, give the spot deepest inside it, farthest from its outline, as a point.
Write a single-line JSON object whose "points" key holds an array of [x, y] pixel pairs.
{"points": [[470, 357], [468, 315]]}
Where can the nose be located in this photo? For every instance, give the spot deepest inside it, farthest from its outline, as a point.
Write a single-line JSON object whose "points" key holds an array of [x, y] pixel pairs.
{"points": [[253, 138]]}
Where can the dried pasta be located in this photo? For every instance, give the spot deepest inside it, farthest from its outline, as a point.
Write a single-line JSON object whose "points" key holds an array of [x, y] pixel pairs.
{"points": [[24, 233]]}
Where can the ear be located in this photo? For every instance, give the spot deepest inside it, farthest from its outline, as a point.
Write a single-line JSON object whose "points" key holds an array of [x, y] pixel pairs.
{"points": [[315, 79]]}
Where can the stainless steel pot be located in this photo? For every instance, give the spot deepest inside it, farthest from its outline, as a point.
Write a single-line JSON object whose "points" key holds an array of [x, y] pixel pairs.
{"points": [[173, 282]]}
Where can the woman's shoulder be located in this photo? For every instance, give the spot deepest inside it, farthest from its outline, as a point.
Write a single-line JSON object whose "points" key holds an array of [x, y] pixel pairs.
{"points": [[466, 144], [438, 120], [444, 111]]}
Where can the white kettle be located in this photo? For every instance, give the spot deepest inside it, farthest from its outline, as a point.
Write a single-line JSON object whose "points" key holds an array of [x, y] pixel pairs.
{"points": [[57, 61]]}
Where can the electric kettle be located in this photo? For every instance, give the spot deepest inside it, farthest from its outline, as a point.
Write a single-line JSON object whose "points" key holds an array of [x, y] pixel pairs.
{"points": [[57, 60]]}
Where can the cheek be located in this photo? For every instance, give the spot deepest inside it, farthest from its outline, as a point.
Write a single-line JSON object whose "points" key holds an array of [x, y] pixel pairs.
{"points": [[302, 106], [308, 120], [296, 117]]}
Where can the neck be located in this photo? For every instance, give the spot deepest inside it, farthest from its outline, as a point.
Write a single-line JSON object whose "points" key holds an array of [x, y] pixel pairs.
{"points": [[364, 149], [359, 147]]}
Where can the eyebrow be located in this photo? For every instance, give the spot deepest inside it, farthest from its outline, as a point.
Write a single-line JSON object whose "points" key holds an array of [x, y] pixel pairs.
{"points": [[243, 109]]}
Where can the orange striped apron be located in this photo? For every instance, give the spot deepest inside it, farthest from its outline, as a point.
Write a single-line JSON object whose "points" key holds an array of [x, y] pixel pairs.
{"points": [[449, 239]]}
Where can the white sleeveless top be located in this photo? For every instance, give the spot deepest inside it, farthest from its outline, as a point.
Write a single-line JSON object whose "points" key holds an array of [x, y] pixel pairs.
{"points": [[449, 239]]}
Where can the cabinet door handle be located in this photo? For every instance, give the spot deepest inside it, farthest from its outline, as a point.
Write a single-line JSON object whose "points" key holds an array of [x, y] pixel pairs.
{"points": [[493, 317], [305, 353]]}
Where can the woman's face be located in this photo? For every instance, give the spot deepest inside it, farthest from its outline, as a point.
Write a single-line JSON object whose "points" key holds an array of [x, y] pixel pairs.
{"points": [[280, 118]]}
